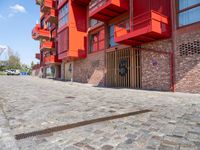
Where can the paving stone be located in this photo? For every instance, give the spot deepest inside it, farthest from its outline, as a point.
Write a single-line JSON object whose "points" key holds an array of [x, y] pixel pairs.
{"points": [[71, 148], [153, 143], [168, 147], [30, 104], [180, 131], [107, 147], [193, 137]]}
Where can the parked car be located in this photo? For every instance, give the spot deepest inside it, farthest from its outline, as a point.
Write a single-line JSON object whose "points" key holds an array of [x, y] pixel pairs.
{"points": [[13, 72]]}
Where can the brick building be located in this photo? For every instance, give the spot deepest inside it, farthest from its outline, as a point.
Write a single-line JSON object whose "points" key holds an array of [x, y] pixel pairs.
{"points": [[144, 44]]}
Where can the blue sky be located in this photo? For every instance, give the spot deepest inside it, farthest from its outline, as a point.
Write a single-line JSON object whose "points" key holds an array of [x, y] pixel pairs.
{"points": [[17, 19]]}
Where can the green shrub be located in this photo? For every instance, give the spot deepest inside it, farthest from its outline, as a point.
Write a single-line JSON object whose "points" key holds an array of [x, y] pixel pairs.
{"points": [[2, 73]]}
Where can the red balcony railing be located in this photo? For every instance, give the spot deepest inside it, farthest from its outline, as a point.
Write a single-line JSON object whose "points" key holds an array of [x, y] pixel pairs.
{"points": [[47, 45], [105, 10], [51, 59], [38, 56], [147, 27], [52, 16], [39, 33]]}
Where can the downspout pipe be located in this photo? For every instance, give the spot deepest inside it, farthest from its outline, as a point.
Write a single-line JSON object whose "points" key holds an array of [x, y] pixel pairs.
{"points": [[131, 14], [172, 57]]}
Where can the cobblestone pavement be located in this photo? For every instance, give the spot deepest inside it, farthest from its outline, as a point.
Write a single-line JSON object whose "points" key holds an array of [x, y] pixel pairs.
{"points": [[30, 104]]}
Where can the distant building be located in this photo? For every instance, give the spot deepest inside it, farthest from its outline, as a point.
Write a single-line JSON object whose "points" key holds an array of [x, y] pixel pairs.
{"points": [[5, 52], [142, 44]]}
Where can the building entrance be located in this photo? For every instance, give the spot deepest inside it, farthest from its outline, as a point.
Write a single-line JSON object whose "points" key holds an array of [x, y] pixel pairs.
{"points": [[123, 68]]}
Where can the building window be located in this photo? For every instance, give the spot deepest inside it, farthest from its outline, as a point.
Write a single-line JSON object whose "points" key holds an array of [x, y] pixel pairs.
{"points": [[42, 23], [111, 36], [94, 22], [188, 11], [63, 15], [97, 41]]}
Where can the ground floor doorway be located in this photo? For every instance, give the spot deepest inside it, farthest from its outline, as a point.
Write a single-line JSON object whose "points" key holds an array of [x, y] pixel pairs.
{"points": [[123, 68]]}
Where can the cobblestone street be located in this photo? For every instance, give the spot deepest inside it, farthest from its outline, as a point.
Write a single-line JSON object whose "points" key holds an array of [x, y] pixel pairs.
{"points": [[30, 104]]}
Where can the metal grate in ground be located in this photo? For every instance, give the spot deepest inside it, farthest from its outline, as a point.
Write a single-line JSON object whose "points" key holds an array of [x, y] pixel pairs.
{"points": [[78, 124]]}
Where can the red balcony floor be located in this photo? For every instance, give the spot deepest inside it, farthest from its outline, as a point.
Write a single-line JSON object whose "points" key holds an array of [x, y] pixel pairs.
{"points": [[52, 59], [39, 33], [82, 2], [104, 10], [38, 56], [47, 46], [147, 27]]}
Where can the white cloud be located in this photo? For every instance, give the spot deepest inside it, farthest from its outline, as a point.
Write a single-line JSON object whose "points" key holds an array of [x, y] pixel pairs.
{"points": [[17, 8]]}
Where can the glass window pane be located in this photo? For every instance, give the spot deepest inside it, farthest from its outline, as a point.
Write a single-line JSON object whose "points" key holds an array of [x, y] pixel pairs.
{"points": [[63, 15], [187, 3], [111, 36], [189, 17], [93, 22]]}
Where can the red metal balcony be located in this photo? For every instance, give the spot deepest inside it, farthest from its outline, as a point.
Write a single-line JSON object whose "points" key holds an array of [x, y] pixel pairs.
{"points": [[38, 56], [52, 16], [147, 27], [52, 59], [39, 33], [105, 10], [82, 2], [47, 46], [47, 5]]}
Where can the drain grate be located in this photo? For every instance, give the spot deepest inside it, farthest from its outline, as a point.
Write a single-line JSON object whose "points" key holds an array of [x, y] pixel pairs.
{"points": [[78, 124]]}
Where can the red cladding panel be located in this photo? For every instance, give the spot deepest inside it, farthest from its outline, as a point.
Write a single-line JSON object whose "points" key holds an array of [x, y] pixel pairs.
{"points": [[63, 41]]}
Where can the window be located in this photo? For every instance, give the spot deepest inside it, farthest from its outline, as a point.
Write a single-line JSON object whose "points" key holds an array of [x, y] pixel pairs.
{"points": [[42, 23], [63, 15], [111, 36], [94, 22], [97, 41], [188, 12]]}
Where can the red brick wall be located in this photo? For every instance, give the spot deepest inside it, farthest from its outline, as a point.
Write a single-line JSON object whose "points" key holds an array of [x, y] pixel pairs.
{"points": [[156, 66], [187, 68], [90, 70]]}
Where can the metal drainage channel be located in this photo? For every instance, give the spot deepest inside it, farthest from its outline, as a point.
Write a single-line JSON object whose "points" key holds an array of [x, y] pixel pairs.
{"points": [[78, 124]]}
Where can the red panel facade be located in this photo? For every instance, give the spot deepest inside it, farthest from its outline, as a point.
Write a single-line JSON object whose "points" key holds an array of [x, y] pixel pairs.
{"points": [[63, 43], [72, 33]]}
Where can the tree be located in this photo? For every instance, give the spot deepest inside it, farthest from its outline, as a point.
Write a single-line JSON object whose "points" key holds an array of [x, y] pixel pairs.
{"points": [[32, 64], [14, 62]]}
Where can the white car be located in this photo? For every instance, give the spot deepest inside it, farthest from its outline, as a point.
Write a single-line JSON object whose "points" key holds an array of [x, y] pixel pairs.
{"points": [[13, 72]]}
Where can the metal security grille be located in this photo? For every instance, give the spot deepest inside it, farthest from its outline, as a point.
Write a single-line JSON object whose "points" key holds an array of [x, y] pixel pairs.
{"points": [[123, 68], [190, 48]]}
